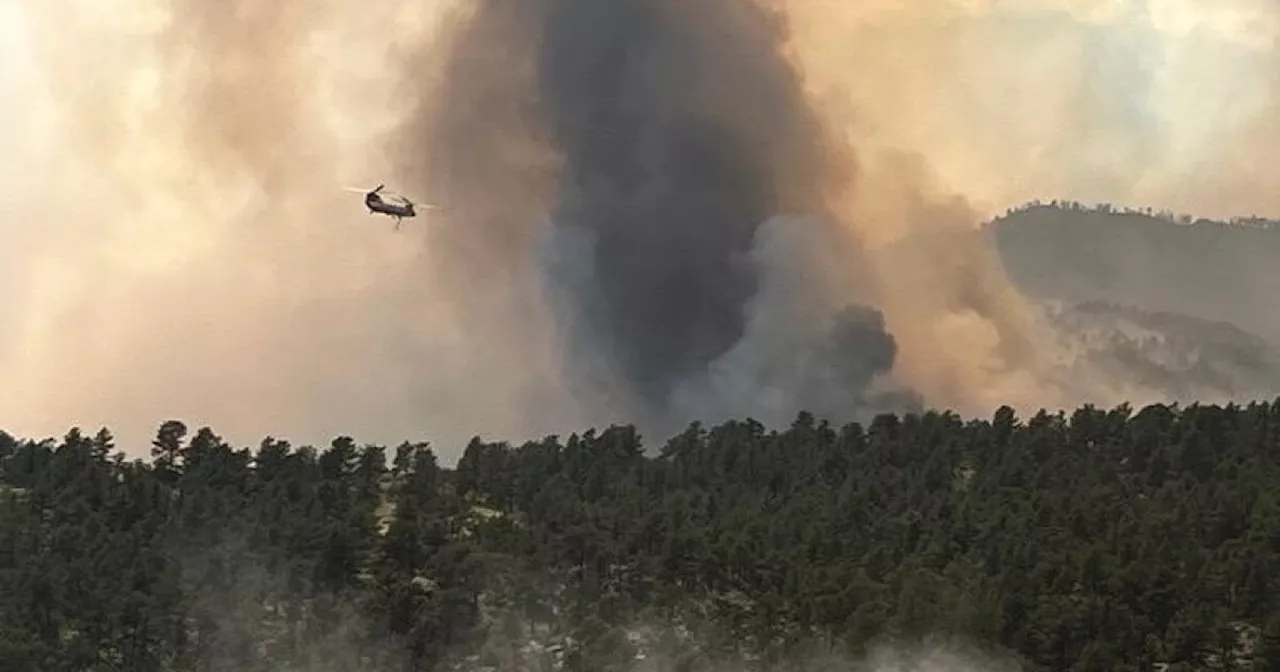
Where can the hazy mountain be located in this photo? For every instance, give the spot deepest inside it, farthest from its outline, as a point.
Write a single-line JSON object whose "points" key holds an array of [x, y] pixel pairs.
{"points": [[1177, 305], [1223, 271]]}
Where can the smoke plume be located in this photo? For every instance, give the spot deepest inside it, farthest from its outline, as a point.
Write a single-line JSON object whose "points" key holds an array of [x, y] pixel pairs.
{"points": [[650, 211], [683, 129]]}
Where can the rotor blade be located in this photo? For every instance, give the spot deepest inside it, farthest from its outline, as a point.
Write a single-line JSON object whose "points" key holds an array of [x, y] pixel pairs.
{"points": [[357, 190]]}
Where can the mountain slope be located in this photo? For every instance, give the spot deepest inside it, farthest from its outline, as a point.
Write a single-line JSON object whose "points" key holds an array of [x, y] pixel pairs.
{"points": [[1222, 271]]}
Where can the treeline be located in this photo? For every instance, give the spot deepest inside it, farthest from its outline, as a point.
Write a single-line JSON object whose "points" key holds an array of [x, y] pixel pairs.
{"points": [[1100, 540], [1163, 215]]}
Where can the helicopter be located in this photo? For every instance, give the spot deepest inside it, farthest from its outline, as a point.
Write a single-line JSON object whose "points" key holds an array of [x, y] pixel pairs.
{"points": [[399, 207]]}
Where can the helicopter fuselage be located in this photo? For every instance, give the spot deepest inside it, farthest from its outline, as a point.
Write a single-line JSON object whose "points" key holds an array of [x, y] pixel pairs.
{"points": [[375, 204]]}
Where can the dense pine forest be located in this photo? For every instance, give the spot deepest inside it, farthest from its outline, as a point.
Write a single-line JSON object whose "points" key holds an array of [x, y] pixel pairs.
{"points": [[1113, 539]]}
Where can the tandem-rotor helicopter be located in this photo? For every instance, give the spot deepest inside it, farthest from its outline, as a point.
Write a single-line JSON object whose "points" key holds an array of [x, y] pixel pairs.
{"points": [[390, 204]]}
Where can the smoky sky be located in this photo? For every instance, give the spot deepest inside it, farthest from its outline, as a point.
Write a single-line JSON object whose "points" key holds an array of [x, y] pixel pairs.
{"points": [[675, 121], [649, 210]]}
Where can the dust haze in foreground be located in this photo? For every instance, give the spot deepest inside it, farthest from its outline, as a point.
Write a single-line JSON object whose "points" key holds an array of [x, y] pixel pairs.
{"points": [[653, 211]]}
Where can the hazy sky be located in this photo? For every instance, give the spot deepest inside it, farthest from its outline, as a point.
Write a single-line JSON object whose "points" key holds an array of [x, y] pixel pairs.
{"points": [[1129, 100], [175, 240]]}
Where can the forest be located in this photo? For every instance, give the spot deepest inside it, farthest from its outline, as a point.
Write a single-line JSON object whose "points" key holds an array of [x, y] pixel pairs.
{"points": [[1130, 539], [1100, 539]]}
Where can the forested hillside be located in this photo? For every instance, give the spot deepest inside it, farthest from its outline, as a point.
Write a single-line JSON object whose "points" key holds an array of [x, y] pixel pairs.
{"points": [[1179, 306], [1100, 540], [1155, 261]]}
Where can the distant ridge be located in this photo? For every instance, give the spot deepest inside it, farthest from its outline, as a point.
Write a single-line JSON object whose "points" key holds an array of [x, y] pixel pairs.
{"points": [[1224, 271]]}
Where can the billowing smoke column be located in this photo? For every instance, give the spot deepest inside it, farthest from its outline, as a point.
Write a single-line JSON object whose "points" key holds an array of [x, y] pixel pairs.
{"points": [[683, 130], [668, 193]]}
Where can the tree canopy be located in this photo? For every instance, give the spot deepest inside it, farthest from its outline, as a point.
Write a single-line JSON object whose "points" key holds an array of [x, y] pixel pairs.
{"points": [[1103, 539]]}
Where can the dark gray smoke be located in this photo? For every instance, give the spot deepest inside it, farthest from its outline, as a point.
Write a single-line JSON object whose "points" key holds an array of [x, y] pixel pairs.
{"points": [[806, 345], [652, 170], [682, 131], [859, 348], [670, 194]]}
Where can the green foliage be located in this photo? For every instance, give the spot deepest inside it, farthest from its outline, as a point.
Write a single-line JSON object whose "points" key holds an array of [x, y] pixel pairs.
{"points": [[1102, 540]]}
